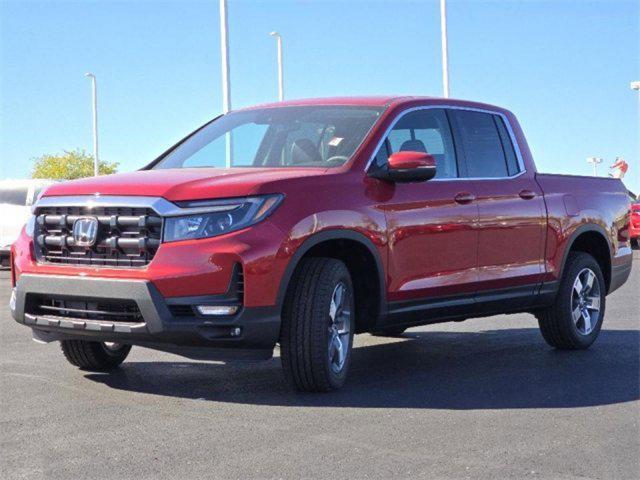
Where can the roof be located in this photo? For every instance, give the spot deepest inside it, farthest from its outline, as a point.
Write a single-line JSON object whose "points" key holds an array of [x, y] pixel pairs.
{"points": [[369, 101]]}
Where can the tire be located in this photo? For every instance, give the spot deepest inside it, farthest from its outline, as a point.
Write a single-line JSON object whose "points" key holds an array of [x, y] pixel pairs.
{"points": [[563, 325], [389, 332], [635, 243], [312, 317], [95, 356]]}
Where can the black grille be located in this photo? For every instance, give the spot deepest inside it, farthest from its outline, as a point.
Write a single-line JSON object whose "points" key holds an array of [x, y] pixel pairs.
{"points": [[85, 308], [240, 284], [127, 237]]}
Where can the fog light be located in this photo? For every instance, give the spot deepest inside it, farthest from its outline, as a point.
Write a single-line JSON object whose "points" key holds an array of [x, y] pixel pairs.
{"points": [[12, 300], [218, 310], [235, 332]]}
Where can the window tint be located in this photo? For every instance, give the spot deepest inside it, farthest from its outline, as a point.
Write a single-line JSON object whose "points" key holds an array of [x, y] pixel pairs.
{"points": [[512, 161], [423, 131], [481, 144]]}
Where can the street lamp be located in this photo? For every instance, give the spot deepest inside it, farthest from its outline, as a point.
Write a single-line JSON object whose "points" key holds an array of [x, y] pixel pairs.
{"points": [[595, 161], [95, 122], [280, 80], [226, 86], [445, 49]]}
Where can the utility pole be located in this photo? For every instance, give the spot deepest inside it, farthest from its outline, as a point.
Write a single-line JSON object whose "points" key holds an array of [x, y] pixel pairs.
{"points": [[445, 49], [96, 170], [280, 74]]}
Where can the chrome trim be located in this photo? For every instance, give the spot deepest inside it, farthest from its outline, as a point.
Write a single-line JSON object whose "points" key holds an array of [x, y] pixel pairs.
{"points": [[161, 206], [507, 124]]}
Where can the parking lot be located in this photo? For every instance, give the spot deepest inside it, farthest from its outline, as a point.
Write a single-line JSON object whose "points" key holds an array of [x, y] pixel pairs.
{"points": [[486, 398]]}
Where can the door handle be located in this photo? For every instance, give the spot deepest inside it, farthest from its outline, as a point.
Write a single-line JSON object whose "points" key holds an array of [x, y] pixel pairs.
{"points": [[527, 194], [464, 198]]}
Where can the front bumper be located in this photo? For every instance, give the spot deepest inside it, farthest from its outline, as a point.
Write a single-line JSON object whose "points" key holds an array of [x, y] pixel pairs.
{"points": [[192, 335]]}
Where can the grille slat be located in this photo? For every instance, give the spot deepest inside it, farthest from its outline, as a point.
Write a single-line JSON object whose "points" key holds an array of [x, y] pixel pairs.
{"points": [[84, 308], [127, 237]]}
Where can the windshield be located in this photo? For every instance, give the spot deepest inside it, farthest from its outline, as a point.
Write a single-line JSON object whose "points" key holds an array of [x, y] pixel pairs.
{"points": [[276, 137], [14, 195]]}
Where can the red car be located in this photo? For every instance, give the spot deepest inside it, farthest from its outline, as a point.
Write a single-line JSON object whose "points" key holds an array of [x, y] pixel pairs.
{"points": [[634, 227], [304, 222]]}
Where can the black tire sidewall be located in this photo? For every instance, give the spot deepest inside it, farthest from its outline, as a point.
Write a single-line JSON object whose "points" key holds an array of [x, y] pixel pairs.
{"points": [[118, 354]]}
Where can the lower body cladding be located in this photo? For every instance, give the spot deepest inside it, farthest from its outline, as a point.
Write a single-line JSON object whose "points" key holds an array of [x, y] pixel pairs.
{"points": [[133, 312]]}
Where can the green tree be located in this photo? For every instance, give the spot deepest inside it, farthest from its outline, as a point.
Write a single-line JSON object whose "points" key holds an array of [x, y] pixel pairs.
{"points": [[71, 164]]}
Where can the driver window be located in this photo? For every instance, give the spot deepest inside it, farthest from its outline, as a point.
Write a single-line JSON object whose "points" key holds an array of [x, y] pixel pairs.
{"points": [[423, 131]]}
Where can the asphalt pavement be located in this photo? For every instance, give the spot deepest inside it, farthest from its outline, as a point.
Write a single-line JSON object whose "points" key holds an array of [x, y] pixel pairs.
{"points": [[485, 398]]}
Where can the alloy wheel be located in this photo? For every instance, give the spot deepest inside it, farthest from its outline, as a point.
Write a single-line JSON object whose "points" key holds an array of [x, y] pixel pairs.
{"points": [[339, 327], [585, 301]]}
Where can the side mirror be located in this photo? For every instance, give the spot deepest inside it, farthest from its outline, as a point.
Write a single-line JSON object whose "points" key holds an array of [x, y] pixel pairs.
{"points": [[408, 167]]}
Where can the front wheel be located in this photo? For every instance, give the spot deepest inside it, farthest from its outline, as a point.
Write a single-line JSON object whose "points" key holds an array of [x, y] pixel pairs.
{"points": [[575, 319], [96, 356], [317, 326]]}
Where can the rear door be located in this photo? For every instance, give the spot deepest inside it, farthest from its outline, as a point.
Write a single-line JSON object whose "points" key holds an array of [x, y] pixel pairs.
{"points": [[510, 203]]}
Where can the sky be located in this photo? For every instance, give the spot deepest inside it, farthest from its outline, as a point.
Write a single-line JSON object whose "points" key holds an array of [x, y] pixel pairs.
{"points": [[563, 67]]}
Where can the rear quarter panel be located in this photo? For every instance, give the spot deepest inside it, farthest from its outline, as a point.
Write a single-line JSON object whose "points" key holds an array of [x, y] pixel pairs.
{"points": [[574, 202]]}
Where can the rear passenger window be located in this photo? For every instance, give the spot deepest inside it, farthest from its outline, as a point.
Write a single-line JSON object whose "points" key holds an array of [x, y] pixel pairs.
{"points": [[512, 161], [482, 144], [423, 131]]}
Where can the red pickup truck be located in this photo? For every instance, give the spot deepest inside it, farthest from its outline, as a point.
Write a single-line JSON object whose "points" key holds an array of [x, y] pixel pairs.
{"points": [[305, 222]]}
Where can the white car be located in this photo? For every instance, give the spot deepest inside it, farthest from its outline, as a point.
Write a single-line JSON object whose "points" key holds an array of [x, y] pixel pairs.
{"points": [[16, 198]]}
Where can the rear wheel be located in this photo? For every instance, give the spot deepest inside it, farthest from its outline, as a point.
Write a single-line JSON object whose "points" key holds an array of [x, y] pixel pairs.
{"points": [[98, 356], [575, 319], [317, 326]]}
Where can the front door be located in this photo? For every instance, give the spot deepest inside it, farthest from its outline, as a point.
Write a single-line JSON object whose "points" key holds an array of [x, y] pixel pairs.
{"points": [[431, 225]]}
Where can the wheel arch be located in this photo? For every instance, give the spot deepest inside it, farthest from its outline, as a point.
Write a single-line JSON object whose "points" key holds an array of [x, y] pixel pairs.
{"points": [[328, 243], [591, 239]]}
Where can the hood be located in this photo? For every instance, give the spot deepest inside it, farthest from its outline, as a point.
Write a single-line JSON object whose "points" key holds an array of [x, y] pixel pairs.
{"points": [[183, 183]]}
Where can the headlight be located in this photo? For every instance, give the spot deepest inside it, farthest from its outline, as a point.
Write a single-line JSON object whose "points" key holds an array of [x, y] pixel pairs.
{"points": [[216, 217], [30, 225]]}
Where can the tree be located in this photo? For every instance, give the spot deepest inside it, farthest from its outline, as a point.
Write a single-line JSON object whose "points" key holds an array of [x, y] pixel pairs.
{"points": [[71, 164]]}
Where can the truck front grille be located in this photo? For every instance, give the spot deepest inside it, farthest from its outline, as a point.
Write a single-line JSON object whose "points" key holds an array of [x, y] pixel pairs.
{"points": [[84, 308], [126, 237]]}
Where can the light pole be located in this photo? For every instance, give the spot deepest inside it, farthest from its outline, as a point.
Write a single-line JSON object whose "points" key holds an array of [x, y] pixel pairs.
{"points": [[595, 161], [445, 49], [636, 86], [226, 86], [280, 75], [95, 123]]}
